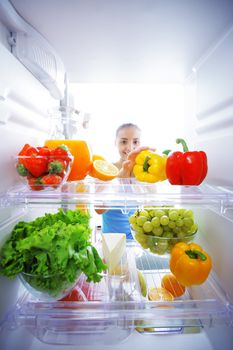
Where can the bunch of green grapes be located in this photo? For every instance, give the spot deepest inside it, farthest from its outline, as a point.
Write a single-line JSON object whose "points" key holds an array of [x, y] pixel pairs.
{"points": [[159, 229]]}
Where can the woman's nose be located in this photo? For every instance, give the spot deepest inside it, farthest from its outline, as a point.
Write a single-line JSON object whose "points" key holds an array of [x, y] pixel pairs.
{"points": [[130, 147]]}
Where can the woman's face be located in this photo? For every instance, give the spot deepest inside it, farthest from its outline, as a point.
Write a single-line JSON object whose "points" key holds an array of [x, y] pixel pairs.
{"points": [[127, 140]]}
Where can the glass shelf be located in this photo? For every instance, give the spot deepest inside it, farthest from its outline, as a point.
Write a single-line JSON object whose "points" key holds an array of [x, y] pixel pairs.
{"points": [[125, 194]]}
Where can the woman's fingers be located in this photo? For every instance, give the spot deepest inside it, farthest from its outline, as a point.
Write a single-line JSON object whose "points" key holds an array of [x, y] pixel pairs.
{"points": [[133, 154], [126, 169], [127, 166]]}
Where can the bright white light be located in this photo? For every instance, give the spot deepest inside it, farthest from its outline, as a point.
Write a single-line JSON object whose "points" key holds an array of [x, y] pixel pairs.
{"points": [[158, 109]]}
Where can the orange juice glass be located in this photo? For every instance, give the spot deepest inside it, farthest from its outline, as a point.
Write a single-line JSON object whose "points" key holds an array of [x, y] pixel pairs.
{"points": [[82, 157]]}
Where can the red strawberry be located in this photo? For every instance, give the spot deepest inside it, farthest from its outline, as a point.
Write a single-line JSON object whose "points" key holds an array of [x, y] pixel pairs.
{"points": [[23, 153], [35, 164], [35, 183], [51, 180], [56, 166], [24, 149], [61, 152], [43, 151], [31, 151]]}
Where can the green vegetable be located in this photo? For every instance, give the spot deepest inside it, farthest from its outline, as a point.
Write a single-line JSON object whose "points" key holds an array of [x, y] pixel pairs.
{"points": [[56, 245]]}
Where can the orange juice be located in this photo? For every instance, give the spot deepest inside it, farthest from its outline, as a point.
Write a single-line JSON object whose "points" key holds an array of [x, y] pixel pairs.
{"points": [[81, 206], [82, 157]]}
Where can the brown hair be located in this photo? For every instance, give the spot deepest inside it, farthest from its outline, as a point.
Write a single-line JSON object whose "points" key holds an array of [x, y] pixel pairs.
{"points": [[127, 125]]}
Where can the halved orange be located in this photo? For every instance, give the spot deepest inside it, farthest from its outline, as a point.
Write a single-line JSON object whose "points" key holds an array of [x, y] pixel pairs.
{"points": [[170, 283], [160, 294], [103, 170], [92, 170]]}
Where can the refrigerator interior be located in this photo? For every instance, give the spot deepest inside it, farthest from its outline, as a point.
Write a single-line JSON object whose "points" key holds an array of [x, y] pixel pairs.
{"points": [[206, 311], [109, 312]]}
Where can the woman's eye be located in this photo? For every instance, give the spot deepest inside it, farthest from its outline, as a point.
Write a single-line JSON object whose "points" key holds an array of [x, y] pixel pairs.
{"points": [[123, 142], [136, 142]]}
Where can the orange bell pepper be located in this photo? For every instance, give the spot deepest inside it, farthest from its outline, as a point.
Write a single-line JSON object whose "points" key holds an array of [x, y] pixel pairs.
{"points": [[190, 263]]}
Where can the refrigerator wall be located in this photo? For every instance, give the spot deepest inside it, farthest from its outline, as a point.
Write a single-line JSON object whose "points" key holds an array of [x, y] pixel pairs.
{"points": [[24, 105], [209, 126], [24, 109], [209, 107]]}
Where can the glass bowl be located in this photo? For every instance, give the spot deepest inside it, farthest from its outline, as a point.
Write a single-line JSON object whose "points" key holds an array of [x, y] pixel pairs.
{"points": [[160, 245], [46, 288], [43, 172]]}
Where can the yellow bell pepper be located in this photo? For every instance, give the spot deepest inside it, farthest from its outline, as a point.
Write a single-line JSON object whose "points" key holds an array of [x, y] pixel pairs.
{"points": [[190, 263], [150, 167]]}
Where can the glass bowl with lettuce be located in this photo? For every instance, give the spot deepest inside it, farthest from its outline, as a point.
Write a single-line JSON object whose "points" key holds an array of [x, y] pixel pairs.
{"points": [[50, 253], [48, 287]]}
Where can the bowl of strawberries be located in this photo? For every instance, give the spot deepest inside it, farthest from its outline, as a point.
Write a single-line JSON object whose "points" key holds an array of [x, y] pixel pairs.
{"points": [[41, 168]]}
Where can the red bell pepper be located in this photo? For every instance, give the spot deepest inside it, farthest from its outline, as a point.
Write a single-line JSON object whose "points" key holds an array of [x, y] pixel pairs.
{"points": [[186, 168]]}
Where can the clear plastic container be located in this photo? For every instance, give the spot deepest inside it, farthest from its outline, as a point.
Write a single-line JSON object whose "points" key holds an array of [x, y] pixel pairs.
{"points": [[36, 183]]}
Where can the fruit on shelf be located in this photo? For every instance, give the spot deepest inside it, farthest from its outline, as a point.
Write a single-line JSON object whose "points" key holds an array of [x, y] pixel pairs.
{"points": [[159, 229], [104, 170], [41, 168], [170, 283], [159, 294], [142, 283], [92, 170]]}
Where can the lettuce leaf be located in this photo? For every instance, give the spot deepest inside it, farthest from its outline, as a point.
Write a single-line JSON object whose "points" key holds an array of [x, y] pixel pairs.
{"points": [[52, 245]]}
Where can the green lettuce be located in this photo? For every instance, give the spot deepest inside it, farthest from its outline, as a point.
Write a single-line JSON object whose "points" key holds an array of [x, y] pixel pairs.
{"points": [[56, 246]]}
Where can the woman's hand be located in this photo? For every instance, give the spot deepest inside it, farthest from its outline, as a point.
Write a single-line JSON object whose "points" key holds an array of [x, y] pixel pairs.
{"points": [[127, 166]]}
